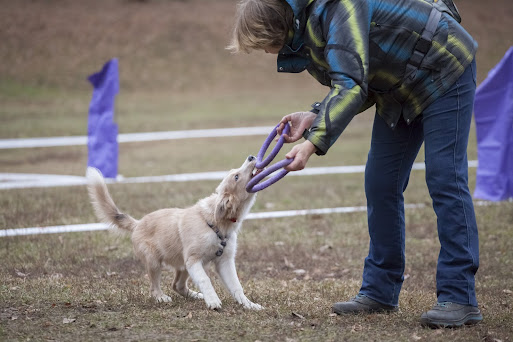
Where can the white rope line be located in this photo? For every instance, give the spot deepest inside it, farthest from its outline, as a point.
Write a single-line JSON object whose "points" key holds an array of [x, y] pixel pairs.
{"points": [[251, 216], [18, 181], [22, 181], [136, 137]]}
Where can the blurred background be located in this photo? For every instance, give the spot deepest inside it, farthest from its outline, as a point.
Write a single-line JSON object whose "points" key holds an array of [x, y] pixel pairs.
{"points": [[175, 72]]}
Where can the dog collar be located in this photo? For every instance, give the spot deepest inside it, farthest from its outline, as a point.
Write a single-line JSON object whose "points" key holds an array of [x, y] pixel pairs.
{"points": [[221, 237]]}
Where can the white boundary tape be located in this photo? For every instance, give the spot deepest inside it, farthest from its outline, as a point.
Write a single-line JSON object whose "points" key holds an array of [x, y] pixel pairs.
{"points": [[21, 181], [16, 181], [251, 216], [136, 137]]}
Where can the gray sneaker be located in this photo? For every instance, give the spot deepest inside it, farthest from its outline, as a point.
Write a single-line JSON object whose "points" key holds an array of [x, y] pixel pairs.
{"points": [[451, 315], [362, 304]]}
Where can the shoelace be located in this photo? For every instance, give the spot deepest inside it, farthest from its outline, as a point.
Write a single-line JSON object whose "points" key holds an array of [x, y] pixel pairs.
{"points": [[358, 296], [443, 304]]}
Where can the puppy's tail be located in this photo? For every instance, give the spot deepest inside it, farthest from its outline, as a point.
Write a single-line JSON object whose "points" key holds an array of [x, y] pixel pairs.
{"points": [[104, 207]]}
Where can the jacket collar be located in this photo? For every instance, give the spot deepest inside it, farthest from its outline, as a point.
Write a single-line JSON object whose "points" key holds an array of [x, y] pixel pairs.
{"points": [[295, 38], [298, 6]]}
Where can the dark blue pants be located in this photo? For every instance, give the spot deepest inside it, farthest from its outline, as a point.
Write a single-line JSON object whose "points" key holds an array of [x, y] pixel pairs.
{"points": [[444, 129]]}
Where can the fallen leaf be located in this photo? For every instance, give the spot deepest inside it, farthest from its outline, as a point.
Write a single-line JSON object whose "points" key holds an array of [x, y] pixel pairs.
{"points": [[13, 318], [296, 315], [325, 248], [68, 320], [21, 274], [185, 315], [415, 337], [356, 328], [55, 276], [507, 291], [299, 271], [288, 264]]}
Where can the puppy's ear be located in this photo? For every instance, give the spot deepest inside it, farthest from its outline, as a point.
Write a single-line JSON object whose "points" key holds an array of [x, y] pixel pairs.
{"points": [[226, 206]]}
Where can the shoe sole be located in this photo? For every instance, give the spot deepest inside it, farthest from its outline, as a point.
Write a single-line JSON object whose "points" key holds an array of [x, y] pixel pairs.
{"points": [[470, 319], [369, 311]]}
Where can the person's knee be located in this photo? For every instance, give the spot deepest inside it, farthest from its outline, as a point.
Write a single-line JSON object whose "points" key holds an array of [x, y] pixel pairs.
{"points": [[377, 186], [444, 179]]}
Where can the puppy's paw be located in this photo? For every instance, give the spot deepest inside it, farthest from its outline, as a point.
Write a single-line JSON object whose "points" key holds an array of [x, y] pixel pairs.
{"points": [[246, 303], [194, 295], [163, 299], [252, 306], [213, 303]]}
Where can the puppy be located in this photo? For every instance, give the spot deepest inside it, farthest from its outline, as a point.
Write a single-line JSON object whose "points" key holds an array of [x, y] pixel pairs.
{"points": [[187, 239]]}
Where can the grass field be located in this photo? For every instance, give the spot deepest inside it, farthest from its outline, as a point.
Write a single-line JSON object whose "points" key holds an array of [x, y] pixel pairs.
{"points": [[176, 74]]}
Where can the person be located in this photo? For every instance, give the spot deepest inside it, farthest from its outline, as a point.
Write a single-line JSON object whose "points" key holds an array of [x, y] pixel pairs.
{"points": [[414, 61]]}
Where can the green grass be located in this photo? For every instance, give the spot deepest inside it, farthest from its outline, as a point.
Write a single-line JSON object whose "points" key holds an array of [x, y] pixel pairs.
{"points": [[175, 75]]}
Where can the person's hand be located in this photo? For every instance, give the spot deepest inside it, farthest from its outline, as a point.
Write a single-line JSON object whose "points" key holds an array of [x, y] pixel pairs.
{"points": [[299, 121], [301, 153]]}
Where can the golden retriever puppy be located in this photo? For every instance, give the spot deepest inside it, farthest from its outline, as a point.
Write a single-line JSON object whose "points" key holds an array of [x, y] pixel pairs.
{"points": [[187, 239]]}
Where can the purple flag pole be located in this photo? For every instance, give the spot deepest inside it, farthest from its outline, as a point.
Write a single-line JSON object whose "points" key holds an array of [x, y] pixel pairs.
{"points": [[493, 110], [102, 131]]}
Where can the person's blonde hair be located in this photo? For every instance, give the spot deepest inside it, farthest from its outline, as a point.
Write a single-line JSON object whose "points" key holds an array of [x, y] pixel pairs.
{"points": [[260, 24]]}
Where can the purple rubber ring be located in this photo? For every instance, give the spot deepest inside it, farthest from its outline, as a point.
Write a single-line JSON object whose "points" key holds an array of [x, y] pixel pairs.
{"points": [[254, 184]]}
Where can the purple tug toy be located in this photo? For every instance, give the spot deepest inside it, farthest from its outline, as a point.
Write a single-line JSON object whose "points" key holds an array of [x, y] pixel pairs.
{"points": [[254, 184]]}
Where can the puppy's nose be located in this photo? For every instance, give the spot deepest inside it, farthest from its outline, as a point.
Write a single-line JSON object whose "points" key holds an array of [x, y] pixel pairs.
{"points": [[251, 158]]}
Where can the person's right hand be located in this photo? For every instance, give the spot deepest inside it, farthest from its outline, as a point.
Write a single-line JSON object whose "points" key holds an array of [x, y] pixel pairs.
{"points": [[299, 121]]}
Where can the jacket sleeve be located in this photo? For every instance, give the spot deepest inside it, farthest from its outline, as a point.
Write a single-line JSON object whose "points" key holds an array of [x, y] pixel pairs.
{"points": [[345, 26]]}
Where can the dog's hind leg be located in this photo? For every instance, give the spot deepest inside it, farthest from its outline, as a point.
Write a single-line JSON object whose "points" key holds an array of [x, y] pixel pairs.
{"points": [[180, 285], [154, 272]]}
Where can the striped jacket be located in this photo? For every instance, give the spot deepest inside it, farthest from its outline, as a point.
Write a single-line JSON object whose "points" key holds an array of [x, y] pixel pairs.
{"points": [[360, 49]]}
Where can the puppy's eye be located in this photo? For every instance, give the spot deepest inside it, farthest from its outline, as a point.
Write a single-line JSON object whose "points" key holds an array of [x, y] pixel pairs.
{"points": [[236, 177]]}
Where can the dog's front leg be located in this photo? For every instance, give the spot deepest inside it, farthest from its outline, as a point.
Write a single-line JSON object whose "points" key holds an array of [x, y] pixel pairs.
{"points": [[202, 281], [226, 270]]}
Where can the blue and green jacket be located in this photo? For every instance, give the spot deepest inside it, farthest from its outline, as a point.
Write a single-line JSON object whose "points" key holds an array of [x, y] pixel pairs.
{"points": [[360, 49]]}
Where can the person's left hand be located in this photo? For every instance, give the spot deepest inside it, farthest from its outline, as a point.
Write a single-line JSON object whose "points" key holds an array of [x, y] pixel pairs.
{"points": [[301, 153], [299, 121]]}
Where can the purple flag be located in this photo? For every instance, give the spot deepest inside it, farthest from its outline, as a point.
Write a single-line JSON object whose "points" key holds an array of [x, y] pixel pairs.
{"points": [[493, 110], [102, 131]]}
